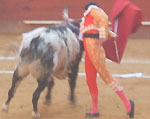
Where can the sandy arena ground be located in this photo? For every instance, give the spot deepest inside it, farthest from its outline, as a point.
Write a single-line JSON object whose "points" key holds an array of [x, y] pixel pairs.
{"points": [[135, 60]]}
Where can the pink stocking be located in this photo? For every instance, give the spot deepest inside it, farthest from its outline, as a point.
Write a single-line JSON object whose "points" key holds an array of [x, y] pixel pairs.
{"points": [[91, 76], [124, 99]]}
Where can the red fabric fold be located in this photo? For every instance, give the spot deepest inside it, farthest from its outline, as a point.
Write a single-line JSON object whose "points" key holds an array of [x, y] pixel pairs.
{"points": [[129, 19]]}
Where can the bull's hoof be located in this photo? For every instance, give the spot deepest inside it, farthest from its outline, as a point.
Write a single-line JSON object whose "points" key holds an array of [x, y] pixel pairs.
{"points": [[5, 107], [47, 102], [72, 100], [35, 115]]}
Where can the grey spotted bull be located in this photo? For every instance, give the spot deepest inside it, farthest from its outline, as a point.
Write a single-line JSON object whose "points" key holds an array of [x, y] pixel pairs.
{"points": [[45, 53]]}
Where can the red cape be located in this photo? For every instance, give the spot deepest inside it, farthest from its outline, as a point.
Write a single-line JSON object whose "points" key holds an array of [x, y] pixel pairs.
{"points": [[126, 19]]}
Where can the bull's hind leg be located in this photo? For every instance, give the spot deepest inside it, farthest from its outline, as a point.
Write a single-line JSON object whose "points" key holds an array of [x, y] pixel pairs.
{"points": [[17, 78], [42, 83], [48, 95]]}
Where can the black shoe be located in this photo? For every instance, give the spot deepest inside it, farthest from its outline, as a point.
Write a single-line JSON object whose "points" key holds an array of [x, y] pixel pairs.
{"points": [[91, 115], [131, 114]]}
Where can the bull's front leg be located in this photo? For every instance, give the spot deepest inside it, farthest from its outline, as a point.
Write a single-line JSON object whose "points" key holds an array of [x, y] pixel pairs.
{"points": [[41, 85]]}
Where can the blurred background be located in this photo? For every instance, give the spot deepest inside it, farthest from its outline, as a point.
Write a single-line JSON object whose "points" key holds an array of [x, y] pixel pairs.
{"points": [[17, 16]]}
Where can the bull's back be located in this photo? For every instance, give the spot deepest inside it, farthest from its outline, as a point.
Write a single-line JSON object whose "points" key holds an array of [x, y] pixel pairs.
{"points": [[67, 54], [53, 49]]}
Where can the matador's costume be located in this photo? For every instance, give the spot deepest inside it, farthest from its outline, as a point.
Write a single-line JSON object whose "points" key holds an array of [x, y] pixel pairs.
{"points": [[93, 30]]}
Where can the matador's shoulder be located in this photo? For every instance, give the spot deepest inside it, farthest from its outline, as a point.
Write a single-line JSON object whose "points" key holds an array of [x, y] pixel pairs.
{"points": [[98, 13]]}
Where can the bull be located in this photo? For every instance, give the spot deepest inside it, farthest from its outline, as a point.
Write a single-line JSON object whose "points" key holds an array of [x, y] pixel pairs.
{"points": [[45, 53]]}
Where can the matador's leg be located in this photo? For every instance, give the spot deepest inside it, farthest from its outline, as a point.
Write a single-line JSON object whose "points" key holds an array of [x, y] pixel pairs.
{"points": [[98, 58], [91, 76]]}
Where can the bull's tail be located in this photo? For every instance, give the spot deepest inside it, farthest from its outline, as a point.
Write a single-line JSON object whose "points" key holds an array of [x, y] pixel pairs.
{"points": [[13, 47]]}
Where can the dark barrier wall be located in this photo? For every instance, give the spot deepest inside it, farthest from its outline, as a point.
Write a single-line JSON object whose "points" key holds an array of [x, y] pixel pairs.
{"points": [[13, 12], [44, 9], [52, 9]]}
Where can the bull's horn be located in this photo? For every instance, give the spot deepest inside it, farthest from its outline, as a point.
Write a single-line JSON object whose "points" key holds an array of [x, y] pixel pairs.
{"points": [[66, 16]]}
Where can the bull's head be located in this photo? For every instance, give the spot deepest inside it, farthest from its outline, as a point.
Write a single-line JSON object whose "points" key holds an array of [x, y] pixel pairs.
{"points": [[74, 24], [68, 19]]}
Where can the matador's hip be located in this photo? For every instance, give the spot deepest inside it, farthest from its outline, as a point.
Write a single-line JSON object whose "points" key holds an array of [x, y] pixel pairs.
{"points": [[96, 54]]}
